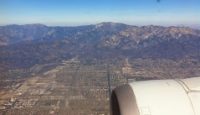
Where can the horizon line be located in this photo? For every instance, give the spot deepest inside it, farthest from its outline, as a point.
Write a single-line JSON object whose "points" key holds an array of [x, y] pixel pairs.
{"points": [[86, 24]]}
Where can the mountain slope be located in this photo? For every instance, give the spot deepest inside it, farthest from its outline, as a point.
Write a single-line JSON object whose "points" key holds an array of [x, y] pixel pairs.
{"points": [[27, 45]]}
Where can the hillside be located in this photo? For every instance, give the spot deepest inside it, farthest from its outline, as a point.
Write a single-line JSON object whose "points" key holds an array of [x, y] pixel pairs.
{"points": [[27, 45]]}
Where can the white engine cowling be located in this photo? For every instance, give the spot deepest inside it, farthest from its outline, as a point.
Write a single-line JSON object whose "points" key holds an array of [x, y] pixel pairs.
{"points": [[158, 97]]}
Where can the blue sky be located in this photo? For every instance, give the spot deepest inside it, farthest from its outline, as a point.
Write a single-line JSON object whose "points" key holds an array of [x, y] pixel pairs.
{"points": [[80, 12]]}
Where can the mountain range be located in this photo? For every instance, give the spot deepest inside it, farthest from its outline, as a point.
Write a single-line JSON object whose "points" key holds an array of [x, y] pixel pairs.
{"points": [[23, 46]]}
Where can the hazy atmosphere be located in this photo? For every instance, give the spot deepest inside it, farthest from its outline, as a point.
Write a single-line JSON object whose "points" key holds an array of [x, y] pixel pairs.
{"points": [[99, 57], [81, 12]]}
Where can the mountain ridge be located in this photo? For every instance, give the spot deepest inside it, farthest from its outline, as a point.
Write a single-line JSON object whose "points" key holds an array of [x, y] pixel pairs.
{"points": [[27, 45], [30, 31]]}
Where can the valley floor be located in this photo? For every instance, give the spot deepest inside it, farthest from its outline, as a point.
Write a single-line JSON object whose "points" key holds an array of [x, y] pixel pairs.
{"points": [[73, 88]]}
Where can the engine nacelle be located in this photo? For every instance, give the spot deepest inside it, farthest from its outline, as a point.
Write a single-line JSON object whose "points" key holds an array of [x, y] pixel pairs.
{"points": [[158, 97]]}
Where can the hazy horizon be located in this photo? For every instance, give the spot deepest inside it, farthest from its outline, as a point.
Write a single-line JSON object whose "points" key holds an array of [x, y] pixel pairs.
{"points": [[71, 25], [79, 12]]}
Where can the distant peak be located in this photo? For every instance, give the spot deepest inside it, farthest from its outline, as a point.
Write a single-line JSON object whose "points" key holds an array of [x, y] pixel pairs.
{"points": [[110, 24], [36, 24], [27, 26]]}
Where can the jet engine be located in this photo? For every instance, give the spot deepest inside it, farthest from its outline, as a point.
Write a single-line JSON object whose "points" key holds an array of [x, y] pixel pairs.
{"points": [[157, 97]]}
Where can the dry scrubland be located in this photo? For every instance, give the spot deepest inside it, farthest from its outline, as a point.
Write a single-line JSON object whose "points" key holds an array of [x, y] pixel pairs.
{"points": [[74, 88]]}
